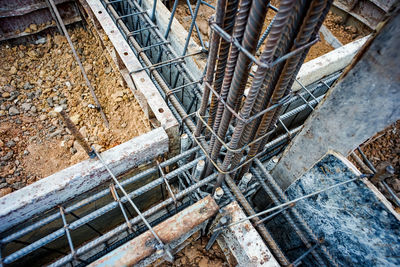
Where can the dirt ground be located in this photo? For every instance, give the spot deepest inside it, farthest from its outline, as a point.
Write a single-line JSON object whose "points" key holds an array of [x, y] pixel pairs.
{"points": [[34, 78], [345, 34], [384, 149], [195, 254]]}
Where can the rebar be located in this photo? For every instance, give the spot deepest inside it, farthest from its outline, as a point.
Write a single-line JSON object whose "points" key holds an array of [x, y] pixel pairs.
{"points": [[299, 219], [212, 59], [89, 85], [257, 14], [260, 227], [286, 214], [289, 71], [245, 112]]}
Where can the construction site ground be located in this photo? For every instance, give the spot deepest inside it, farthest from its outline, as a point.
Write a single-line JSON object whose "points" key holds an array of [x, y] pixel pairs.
{"points": [[34, 78], [345, 34]]}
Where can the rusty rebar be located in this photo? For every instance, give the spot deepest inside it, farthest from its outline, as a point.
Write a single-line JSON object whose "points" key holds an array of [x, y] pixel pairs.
{"points": [[235, 88], [289, 71], [266, 56], [260, 227], [75, 132], [89, 85], [229, 23], [212, 59]]}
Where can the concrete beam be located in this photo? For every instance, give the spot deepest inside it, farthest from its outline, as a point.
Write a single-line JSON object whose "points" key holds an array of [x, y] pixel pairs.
{"points": [[143, 246], [79, 178], [364, 101], [329, 63], [243, 241]]}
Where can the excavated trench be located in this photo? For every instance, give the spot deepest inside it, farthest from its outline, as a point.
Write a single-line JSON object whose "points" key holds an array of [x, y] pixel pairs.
{"points": [[37, 77]]}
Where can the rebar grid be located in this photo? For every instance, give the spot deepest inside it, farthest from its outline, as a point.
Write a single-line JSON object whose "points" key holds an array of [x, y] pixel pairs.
{"points": [[294, 107], [182, 93]]}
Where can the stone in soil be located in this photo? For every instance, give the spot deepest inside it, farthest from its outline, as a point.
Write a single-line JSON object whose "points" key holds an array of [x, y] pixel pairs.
{"points": [[36, 77]]}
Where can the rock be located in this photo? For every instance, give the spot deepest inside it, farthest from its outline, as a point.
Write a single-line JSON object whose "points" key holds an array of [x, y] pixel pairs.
{"points": [[10, 144], [58, 132], [351, 29], [83, 131], [26, 106], [107, 70], [69, 143], [117, 95], [1, 143], [33, 27], [97, 147], [18, 185], [73, 150], [5, 95], [31, 180], [2, 185], [5, 191], [43, 117], [7, 156], [33, 109], [28, 86], [53, 114], [13, 111], [26, 152], [13, 70], [40, 41], [88, 68], [49, 100], [75, 118]]}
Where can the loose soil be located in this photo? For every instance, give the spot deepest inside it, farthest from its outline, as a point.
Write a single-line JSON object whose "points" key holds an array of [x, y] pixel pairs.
{"points": [[345, 34], [34, 78], [384, 149], [195, 254]]}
